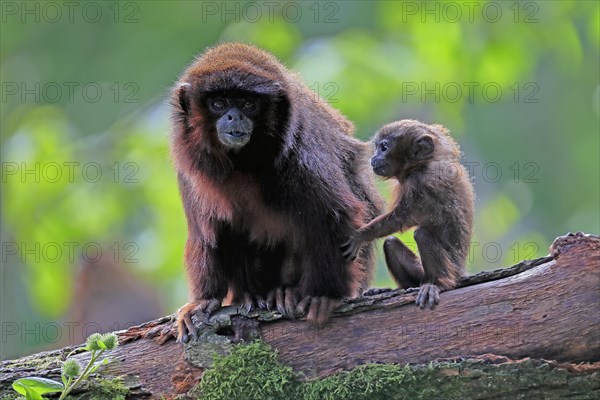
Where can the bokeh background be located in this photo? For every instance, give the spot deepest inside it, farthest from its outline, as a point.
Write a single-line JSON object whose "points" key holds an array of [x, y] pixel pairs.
{"points": [[91, 221]]}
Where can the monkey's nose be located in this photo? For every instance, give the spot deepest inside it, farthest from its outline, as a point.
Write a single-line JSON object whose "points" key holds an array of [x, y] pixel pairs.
{"points": [[234, 114]]}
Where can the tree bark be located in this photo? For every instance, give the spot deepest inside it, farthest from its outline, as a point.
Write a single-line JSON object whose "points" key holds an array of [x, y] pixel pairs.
{"points": [[544, 309]]}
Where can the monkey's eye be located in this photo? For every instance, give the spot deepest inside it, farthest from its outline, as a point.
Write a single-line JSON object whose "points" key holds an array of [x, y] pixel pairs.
{"points": [[218, 104], [248, 104], [383, 147]]}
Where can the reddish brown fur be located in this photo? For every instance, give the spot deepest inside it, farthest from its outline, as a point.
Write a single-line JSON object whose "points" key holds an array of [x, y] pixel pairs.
{"points": [[266, 221]]}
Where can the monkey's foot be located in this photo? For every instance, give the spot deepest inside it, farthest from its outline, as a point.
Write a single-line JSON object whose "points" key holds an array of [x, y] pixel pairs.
{"points": [[251, 302], [375, 291], [429, 294], [351, 248], [185, 325], [284, 300], [319, 308]]}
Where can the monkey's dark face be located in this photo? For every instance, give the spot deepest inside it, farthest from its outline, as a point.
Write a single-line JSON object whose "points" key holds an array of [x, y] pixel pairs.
{"points": [[383, 164], [399, 150], [234, 116]]}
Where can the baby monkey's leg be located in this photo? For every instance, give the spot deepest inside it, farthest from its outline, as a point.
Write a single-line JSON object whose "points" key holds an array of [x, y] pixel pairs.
{"points": [[404, 265], [440, 272]]}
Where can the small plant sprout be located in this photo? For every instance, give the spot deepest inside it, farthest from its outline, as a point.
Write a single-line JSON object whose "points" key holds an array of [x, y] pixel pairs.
{"points": [[71, 372]]}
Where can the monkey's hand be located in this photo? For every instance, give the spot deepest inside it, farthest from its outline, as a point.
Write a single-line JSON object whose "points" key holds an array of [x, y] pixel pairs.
{"points": [[319, 308], [429, 294], [284, 300], [185, 325], [351, 248]]}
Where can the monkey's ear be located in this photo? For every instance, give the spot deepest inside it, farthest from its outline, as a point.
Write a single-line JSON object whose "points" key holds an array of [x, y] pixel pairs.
{"points": [[183, 96], [422, 147]]}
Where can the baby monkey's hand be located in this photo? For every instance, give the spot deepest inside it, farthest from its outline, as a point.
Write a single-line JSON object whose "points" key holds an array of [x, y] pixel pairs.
{"points": [[351, 248]]}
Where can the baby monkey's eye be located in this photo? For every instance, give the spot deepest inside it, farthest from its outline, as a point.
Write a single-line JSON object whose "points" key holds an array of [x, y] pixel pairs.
{"points": [[219, 104], [383, 147]]}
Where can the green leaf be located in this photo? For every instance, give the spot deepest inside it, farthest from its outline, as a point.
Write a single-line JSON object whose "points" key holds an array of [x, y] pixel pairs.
{"points": [[101, 345], [98, 365], [32, 395], [36, 386]]}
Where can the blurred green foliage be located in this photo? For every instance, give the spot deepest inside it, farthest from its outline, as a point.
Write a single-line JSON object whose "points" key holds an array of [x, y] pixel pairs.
{"points": [[84, 121]]}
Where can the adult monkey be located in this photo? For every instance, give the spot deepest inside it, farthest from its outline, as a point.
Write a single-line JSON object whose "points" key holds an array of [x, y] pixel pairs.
{"points": [[272, 183]]}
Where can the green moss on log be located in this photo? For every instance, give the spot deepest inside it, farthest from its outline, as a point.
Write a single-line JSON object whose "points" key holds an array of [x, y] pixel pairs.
{"points": [[102, 388], [252, 371]]}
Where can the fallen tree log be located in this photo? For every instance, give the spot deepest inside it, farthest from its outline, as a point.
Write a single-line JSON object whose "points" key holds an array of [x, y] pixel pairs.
{"points": [[544, 309]]}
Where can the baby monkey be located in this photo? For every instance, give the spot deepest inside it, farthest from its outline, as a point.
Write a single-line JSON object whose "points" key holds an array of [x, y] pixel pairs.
{"points": [[435, 195]]}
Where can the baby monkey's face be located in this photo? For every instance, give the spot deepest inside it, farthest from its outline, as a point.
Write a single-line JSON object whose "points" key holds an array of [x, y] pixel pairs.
{"points": [[400, 147]]}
